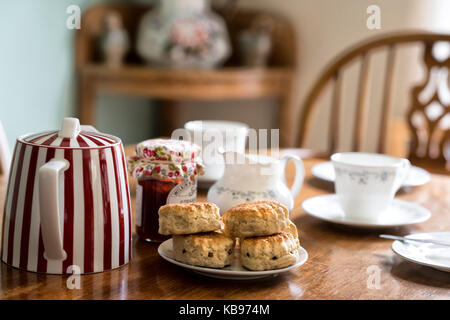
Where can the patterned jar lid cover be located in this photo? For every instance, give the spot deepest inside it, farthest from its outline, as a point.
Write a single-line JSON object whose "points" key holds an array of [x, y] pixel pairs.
{"points": [[166, 159]]}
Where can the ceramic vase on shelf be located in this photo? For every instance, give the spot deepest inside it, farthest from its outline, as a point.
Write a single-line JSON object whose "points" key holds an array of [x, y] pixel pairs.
{"points": [[255, 43], [183, 34], [114, 41]]}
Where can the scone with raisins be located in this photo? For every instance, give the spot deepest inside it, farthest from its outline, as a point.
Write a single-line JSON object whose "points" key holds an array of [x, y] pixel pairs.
{"points": [[187, 218], [211, 249], [292, 229], [258, 218], [269, 252]]}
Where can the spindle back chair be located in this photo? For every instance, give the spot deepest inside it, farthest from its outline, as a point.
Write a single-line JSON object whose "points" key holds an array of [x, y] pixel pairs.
{"points": [[430, 131]]}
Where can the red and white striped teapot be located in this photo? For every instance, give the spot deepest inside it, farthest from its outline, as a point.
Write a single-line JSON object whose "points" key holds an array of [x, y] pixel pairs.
{"points": [[67, 207]]}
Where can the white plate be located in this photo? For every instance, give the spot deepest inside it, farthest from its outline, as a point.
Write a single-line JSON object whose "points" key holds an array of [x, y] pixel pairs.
{"points": [[416, 177], [233, 272], [400, 213], [430, 255]]}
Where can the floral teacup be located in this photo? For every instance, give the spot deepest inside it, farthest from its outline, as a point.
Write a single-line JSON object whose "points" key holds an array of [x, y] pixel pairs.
{"points": [[367, 182]]}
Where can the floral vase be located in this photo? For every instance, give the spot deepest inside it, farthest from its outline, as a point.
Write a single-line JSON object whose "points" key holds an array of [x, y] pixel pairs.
{"points": [[183, 34]]}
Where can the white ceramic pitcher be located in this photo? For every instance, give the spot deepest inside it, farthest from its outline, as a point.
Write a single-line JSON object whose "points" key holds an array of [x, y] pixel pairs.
{"points": [[253, 177]]}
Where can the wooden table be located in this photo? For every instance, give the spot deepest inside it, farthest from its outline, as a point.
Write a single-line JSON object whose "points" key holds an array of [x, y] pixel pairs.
{"points": [[337, 268]]}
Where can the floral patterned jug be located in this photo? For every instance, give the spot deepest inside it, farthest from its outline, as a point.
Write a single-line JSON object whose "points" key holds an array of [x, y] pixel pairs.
{"points": [[183, 33], [255, 177]]}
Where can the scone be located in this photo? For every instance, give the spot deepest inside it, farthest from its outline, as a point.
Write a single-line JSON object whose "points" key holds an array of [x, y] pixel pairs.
{"points": [[270, 252], [212, 249], [186, 218], [292, 229], [259, 218]]}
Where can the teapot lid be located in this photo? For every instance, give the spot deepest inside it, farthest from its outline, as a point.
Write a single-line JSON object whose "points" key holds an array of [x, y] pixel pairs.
{"points": [[71, 135]]}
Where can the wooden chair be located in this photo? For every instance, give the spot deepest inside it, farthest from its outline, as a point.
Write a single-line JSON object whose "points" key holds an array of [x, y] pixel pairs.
{"points": [[231, 82], [430, 134]]}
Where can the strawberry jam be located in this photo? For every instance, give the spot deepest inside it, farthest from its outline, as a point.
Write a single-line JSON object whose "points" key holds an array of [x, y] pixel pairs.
{"points": [[154, 193]]}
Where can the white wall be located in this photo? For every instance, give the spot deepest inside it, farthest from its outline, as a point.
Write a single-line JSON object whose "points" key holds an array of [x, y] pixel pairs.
{"points": [[325, 28], [37, 80]]}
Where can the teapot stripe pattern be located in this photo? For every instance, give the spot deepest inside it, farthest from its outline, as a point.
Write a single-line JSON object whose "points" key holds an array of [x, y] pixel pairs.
{"points": [[26, 220], [39, 137], [120, 203], [50, 140], [7, 209], [94, 205], [84, 139], [12, 214], [68, 209], [88, 228], [126, 195]]}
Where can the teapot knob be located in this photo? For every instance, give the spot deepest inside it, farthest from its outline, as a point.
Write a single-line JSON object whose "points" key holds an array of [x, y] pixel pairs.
{"points": [[70, 128]]}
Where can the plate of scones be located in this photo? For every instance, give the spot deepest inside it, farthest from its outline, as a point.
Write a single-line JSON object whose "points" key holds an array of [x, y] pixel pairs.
{"points": [[252, 240]]}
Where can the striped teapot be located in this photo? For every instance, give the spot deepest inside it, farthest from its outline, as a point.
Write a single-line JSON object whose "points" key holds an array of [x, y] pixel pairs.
{"points": [[67, 207]]}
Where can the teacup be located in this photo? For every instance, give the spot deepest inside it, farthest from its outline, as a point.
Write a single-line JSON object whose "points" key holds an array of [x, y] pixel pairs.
{"points": [[213, 135], [367, 182]]}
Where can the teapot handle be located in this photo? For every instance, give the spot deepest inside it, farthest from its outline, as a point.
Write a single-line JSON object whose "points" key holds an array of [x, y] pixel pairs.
{"points": [[299, 173], [48, 207]]}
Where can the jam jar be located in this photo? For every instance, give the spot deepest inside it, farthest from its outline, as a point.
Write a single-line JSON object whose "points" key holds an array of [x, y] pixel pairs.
{"points": [[167, 172]]}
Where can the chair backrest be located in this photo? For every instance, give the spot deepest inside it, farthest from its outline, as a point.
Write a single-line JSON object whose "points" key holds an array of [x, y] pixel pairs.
{"points": [[5, 153], [92, 22], [430, 132]]}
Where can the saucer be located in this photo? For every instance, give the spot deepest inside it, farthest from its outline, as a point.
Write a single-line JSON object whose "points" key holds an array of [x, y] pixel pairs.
{"points": [[400, 213], [416, 177], [427, 254], [233, 272]]}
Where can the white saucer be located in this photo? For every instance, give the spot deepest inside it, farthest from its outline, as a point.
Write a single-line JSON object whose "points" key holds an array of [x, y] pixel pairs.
{"points": [[233, 272], [430, 255], [416, 177], [327, 207]]}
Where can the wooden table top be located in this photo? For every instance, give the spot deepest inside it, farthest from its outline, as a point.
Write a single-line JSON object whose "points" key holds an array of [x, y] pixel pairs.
{"points": [[337, 268]]}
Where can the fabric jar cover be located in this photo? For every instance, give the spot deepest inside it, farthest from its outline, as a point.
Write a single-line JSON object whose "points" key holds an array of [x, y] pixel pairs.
{"points": [[166, 159]]}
